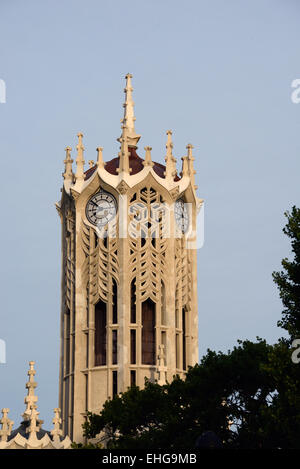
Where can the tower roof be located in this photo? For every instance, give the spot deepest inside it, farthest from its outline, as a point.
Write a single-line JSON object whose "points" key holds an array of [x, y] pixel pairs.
{"points": [[127, 162], [135, 163]]}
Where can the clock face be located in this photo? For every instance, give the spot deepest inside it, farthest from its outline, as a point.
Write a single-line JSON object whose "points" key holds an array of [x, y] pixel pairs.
{"points": [[181, 215], [101, 208]]}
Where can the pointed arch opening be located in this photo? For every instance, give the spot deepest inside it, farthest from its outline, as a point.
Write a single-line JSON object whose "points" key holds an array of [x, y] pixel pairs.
{"points": [[148, 332], [114, 302], [100, 333], [133, 301], [183, 338], [163, 304]]}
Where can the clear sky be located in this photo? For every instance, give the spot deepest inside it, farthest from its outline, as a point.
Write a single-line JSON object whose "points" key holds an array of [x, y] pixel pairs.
{"points": [[219, 75]]}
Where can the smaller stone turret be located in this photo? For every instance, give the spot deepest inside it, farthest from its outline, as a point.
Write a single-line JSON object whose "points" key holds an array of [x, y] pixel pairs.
{"points": [[30, 434], [79, 175], [7, 425], [170, 172]]}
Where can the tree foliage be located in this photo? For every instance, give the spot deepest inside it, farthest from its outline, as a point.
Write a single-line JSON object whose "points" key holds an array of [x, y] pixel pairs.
{"points": [[288, 280], [239, 387]]}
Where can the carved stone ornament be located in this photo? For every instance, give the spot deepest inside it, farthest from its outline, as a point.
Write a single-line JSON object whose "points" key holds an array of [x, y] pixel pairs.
{"points": [[174, 193], [74, 194], [123, 187]]}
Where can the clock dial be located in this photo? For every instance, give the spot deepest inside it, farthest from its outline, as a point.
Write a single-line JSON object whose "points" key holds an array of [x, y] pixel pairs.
{"points": [[181, 215], [101, 208]]}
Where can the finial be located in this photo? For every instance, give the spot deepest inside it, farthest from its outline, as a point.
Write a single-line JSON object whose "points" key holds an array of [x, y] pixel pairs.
{"points": [[124, 153], [161, 369], [56, 432], [30, 399], [7, 425], [100, 162], [91, 163], [169, 159], [129, 118], [185, 166], [79, 175], [191, 160], [68, 174], [148, 161], [34, 426]]}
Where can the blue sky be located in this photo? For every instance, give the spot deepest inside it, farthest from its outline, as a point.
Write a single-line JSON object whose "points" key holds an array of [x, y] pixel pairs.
{"points": [[219, 75]]}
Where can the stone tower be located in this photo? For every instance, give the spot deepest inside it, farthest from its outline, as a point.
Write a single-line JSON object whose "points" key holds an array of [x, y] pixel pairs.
{"points": [[129, 272]]}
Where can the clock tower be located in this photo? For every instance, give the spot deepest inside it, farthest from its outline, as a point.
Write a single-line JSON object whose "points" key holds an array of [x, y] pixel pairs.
{"points": [[129, 272]]}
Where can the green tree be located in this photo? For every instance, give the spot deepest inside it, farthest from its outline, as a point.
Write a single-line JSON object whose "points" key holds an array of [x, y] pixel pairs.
{"points": [[228, 387], [288, 280], [282, 418]]}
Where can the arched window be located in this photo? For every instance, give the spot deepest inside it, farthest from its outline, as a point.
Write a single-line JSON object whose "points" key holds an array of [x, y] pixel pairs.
{"points": [[163, 304], [132, 346], [114, 347], [183, 339], [132, 377], [100, 333], [148, 332], [114, 302], [115, 382], [67, 339], [133, 302]]}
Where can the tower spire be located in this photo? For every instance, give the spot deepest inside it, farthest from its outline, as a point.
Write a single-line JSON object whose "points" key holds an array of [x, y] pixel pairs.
{"points": [[30, 400], [169, 159], [191, 160], [129, 118], [79, 160], [7, 425], [68, 174], [124, 154], [100, 162], [185, 166], [34, 422], [148, 161], [56, 432]]}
